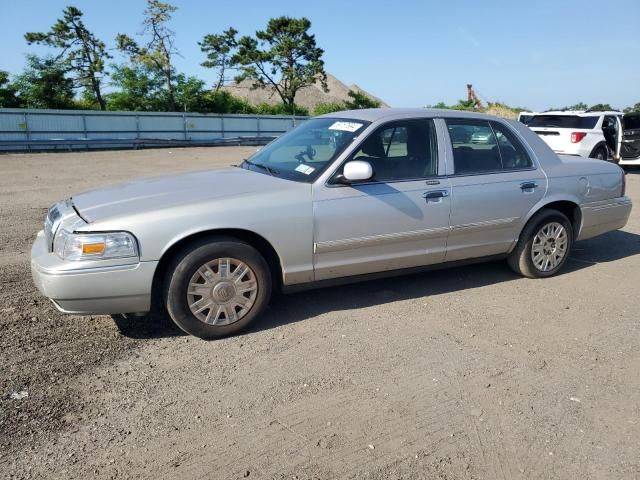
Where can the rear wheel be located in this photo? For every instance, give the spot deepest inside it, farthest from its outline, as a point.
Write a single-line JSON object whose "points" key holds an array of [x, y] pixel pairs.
{"points": [[600, 153], [544, 245], [217, 288]]}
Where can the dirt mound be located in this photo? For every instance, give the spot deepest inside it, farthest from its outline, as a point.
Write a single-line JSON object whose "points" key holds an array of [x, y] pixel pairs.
{"points": [[307, 97], [501, 111]]}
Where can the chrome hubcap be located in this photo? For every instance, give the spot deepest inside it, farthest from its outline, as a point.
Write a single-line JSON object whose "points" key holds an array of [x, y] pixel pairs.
{"points": [[549, 246], [222, 291]]}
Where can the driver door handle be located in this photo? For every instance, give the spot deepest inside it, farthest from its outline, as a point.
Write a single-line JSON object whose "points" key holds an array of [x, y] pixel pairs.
{"points": [[528, 185], [435, 194]]}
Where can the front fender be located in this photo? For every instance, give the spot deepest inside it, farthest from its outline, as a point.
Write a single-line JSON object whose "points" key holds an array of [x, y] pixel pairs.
{"points": [[284, 219]]}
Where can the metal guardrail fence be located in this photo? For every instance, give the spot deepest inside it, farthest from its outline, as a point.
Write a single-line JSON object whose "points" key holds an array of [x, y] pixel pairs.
{"points": [[29, 130]]}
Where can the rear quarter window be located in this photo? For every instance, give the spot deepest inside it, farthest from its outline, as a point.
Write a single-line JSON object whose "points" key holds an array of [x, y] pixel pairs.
{"points": [[512, 152]]}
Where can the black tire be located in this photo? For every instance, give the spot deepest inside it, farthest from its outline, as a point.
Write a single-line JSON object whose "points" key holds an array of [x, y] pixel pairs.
{"points": [[188, 262], [600, 153], [520, 259]]}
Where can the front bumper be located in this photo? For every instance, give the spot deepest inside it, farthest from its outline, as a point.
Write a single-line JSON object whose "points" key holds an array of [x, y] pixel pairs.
{"points": [[95, 290], [604, 216]]}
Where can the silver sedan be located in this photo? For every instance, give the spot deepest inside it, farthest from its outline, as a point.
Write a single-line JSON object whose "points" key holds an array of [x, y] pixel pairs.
{"points": [[343, 197]]}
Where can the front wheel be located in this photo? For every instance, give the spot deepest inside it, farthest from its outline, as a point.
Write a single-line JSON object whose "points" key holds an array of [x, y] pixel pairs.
{"points": [[544, 245], [216, 288]]}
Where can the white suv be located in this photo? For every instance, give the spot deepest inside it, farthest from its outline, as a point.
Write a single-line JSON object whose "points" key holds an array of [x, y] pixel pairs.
{"points": [[588, 134]]}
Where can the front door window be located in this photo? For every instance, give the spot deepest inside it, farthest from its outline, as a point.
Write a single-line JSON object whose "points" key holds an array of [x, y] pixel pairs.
{"points": [[403, 150]]}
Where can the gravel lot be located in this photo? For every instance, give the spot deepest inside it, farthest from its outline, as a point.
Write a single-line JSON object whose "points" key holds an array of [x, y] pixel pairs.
{"points": [[464, 373]]}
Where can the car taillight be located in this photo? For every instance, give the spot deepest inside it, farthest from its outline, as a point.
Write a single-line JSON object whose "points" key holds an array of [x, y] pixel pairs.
{"points": [[577, 136]]}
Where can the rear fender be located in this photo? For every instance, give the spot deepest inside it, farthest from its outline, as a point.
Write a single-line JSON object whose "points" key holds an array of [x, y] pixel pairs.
{"points": [[546, 202]]}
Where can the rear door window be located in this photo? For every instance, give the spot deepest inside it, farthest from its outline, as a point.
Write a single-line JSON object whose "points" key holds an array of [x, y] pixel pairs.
{"points": [[512, 152], [475, 147], [480, 147]]}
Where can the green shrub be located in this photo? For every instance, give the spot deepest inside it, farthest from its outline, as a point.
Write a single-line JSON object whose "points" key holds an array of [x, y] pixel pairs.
{"points": [[324, 108], [224, 102], [360, 100], [280, 109]]}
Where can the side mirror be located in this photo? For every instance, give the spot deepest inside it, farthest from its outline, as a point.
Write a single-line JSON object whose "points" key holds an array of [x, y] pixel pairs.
{"points": [[357, 171]]}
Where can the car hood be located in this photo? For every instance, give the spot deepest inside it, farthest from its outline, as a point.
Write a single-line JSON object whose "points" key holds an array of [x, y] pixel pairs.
{"points": [[152, 194]]}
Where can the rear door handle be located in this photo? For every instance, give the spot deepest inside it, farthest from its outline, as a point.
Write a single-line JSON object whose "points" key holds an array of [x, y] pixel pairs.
{"points": [[432, 195], [528, 185]]}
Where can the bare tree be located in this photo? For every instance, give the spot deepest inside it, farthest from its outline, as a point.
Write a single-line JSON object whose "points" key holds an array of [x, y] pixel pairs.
{"points": [[157, 53]]}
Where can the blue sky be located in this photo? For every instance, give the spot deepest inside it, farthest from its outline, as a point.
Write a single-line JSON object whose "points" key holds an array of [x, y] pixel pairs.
{"points": [[536, 54]]}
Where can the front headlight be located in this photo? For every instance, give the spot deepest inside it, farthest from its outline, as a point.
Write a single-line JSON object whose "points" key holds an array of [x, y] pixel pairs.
{"points": [[94, 246]]}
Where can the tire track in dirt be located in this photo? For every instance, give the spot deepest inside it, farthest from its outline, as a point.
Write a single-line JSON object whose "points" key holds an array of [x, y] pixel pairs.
{"points": [[347, 407]]}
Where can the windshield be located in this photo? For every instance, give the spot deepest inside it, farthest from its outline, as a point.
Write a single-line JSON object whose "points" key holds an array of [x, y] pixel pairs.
{"points": [[304, 152], [563, 121]]}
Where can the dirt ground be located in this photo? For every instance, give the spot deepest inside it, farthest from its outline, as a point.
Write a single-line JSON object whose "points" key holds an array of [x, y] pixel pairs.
{"points": [[464, 373]]}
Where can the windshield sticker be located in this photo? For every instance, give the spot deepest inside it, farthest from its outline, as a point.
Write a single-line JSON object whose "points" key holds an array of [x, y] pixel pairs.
{"points": [[306, 169], [345, 126]]}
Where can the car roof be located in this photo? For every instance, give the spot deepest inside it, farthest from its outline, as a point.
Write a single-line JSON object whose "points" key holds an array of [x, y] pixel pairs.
{"points": [[375, 114]]}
